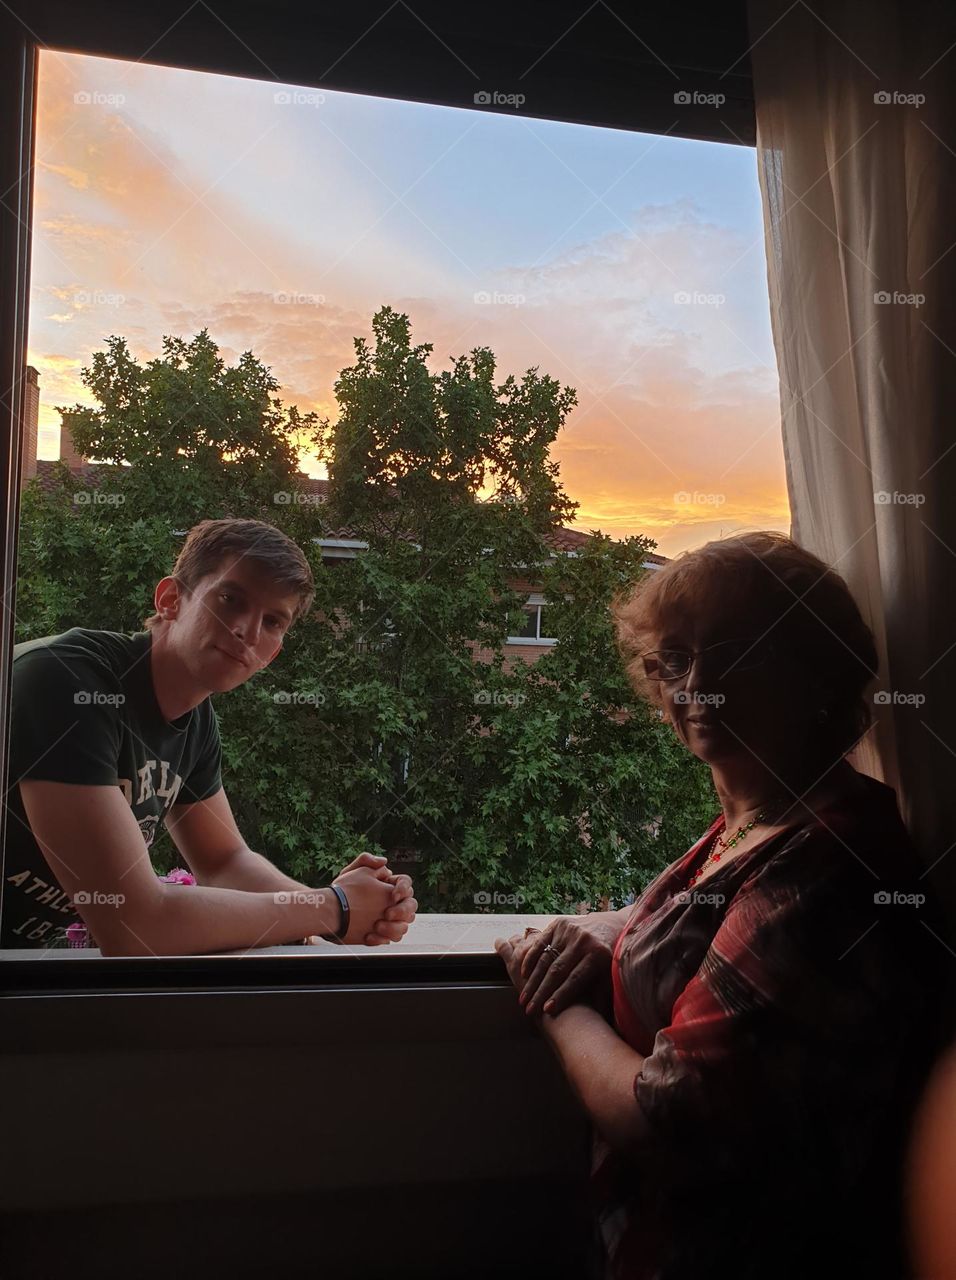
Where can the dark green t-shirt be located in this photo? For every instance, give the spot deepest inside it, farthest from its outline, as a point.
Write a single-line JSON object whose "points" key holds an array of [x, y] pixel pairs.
{"points": [[84, 710]]}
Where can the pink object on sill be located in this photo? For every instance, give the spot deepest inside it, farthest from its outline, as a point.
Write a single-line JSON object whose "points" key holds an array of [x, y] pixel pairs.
{"points": [[179, 875], [77, 935]]}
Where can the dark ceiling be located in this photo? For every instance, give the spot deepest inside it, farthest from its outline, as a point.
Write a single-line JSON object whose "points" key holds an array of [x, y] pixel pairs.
{"points": [[653, 68]]}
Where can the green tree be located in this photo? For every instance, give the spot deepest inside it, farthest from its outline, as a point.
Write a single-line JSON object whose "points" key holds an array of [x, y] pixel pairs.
{"points": [[392, 720], [190, 436]]}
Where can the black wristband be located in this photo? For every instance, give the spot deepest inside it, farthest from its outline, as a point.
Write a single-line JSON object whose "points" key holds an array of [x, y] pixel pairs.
{"points": [[344, 904], [339, 935]]}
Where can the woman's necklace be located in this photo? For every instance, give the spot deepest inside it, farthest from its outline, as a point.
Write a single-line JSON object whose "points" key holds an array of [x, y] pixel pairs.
{"points": [[720, 846]]}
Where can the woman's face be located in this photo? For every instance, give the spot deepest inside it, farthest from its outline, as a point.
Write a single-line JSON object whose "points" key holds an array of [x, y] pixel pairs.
{"points": [[741, 696]]}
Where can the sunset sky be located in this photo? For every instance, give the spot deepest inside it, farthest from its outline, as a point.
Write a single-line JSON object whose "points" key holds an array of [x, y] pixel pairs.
{"points": [[629, 266]]}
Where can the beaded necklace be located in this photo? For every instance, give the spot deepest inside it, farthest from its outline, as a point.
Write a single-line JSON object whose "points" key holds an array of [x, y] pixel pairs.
{"points": [[720, 847]]}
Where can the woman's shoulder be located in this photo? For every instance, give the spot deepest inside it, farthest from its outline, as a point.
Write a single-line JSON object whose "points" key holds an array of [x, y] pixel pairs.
{"points": [[851, 877], [855, 830]]}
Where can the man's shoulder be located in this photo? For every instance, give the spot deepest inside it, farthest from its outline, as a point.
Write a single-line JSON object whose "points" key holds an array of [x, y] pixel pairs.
{"points": [[106, 652]]}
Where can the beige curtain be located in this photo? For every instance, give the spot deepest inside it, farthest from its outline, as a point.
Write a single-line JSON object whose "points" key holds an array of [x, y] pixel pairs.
{"points": [[856, 145]]}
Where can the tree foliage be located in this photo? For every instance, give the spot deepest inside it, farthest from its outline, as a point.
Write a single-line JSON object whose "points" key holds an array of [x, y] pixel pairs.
{"points": [[393, 720]]}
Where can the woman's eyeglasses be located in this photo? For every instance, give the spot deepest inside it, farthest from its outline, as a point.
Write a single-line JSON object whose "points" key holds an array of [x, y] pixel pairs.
{"points": [[735, 655]]}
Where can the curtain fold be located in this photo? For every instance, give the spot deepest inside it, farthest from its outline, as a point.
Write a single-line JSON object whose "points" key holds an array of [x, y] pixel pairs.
{"points": [[856, 148]]}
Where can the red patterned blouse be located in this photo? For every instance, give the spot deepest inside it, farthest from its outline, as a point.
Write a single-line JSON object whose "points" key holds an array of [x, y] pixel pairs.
{"points": [[788, 1009]]}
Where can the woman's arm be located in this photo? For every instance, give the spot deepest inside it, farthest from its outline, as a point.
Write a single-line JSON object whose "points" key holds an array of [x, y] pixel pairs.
{"points": [[599, 1065], [600, 1068]]}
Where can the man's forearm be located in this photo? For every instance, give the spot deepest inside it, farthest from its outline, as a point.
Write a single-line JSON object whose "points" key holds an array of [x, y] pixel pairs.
{"points": [[199, 919], [600, 1067], [252, 871]]}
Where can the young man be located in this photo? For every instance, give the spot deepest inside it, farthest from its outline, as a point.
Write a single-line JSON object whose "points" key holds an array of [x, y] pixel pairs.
{"points": [[113, 734]]}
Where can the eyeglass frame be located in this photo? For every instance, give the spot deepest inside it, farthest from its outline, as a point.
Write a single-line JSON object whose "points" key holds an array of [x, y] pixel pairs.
{"points": [[767, 652]]}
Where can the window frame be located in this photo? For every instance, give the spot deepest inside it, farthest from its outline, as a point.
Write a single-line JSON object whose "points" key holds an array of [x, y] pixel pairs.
{"points": [[537, 601], [180, 40]]}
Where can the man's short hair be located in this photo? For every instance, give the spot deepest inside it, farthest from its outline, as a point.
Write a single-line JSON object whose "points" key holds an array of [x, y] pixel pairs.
{"points": [[211, 542]]}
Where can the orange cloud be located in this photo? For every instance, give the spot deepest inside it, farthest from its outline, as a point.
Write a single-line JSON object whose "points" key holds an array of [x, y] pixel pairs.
{"points": [[653, 324]]}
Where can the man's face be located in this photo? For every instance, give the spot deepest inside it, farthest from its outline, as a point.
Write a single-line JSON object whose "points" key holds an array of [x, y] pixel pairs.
{"points": [[230, 625]]}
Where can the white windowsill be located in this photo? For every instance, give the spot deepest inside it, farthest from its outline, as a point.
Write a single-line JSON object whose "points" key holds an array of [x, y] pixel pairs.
{"points": [[431, 934]]}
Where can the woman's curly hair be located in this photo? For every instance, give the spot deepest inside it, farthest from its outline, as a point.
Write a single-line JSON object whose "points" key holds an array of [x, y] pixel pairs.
{"points": [[779, 590]]}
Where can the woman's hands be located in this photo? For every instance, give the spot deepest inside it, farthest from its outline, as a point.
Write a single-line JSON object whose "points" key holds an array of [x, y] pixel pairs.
{"points": [[379, 912], [567, 963], [512, 951]]}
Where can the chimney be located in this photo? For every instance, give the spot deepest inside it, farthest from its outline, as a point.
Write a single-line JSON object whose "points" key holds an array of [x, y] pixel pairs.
{"points": [[68, 453], [31, 424]]}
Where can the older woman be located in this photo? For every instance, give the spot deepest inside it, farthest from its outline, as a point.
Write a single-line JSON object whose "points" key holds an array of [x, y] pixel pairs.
{"points": [[749, 1037]]}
